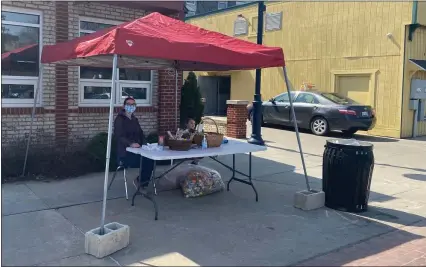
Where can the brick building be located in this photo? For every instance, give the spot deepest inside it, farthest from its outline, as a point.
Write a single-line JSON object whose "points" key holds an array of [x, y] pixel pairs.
{"points": [[72, 104]]}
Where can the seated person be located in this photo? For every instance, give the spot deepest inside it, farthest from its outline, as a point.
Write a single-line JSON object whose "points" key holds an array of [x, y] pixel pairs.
{"points": [[128, 133], [190, 127]]}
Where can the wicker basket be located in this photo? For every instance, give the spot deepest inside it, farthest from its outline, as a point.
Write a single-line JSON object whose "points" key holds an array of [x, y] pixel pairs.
{"points": [[213, 139], [198, 139], [179, 145]]}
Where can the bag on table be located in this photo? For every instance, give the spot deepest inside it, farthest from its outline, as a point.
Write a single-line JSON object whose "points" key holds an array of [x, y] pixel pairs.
{"points": [[201, 181]]}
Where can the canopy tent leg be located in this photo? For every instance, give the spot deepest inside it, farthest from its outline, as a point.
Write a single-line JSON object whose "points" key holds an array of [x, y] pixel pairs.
{"points": [[256, 133], [176, 99], [40, 73], [108, 152], [293, 114]]}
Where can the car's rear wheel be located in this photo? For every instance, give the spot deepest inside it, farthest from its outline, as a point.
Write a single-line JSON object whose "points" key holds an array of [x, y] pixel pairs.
{"points": [[319, 126], [349, 132]]}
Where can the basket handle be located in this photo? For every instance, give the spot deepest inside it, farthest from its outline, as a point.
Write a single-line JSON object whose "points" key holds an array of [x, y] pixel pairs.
{"points": [[217, 128]]}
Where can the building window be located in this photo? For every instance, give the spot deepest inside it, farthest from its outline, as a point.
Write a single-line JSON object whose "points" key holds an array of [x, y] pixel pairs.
{"points": [[240, 26], [273, 21], [95, 83], [222, 4], [20, 56], [191, 7]]}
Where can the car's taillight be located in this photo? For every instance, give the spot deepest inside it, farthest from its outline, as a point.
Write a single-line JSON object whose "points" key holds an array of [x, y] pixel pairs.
{"points": [[373, 112], [347, 112]]}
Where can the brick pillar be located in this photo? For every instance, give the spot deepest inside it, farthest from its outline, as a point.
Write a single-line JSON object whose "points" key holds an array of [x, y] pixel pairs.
{"points": [[61, 77], [236, 119], [166, 100]]}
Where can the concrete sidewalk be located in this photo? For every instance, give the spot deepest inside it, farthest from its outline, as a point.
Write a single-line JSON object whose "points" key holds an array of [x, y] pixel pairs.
{"points": [[44, 222], [396, 248]]}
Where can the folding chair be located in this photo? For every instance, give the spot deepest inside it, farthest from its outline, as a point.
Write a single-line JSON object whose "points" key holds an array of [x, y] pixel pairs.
{"points": [[121, 166]]}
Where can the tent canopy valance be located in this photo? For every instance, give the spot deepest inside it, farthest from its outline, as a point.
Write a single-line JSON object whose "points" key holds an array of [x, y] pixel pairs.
{"points": [[160, 42]]}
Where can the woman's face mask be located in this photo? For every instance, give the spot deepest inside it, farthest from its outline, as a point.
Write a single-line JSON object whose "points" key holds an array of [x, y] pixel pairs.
{"points": [[130, 108]]}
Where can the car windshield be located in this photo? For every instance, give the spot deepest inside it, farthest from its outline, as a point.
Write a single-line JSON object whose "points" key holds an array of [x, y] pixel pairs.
{"points": [[338, 99]]}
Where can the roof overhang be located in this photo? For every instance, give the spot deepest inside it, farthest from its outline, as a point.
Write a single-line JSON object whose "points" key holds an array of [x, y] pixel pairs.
{"points": [[163, 7], [421, 64]]}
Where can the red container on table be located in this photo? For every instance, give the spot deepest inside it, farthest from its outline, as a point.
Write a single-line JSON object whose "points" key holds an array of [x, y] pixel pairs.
{"points": [[161, 140]]}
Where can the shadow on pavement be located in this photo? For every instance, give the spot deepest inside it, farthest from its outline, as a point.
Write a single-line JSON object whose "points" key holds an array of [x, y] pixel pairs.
{"points": [[390, 215], [227, 229], [292, 150], [418, 177], [400, 167], [360, 137]]}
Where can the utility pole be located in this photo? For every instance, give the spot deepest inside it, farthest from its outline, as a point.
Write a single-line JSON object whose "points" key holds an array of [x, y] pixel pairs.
{"points": [[256, 136]]}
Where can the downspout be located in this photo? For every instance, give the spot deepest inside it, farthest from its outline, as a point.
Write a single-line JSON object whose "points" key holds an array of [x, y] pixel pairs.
{"points": [[414, 12], [414, 25], [403, 79], [413, 22]]}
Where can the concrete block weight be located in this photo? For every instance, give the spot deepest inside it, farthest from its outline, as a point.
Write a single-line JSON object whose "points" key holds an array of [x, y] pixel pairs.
{"points": [[309, 200], [115, 238]]}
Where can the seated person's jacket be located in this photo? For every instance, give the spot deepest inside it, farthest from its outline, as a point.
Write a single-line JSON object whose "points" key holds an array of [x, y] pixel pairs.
{"points": [[126, 132]]}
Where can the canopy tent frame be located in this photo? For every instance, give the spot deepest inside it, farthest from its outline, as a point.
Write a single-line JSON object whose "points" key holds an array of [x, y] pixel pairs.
{"points": [[119, 61]]}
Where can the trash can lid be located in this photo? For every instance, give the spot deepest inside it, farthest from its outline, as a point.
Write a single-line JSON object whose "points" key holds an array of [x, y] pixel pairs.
{"points": [[349, 142]]}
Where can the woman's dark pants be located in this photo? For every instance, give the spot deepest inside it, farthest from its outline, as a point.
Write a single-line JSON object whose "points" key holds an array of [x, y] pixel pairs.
{"points": [[132, 160]]}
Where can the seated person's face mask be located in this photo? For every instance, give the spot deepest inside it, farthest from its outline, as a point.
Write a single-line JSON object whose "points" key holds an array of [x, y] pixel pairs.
{"points": [[130, 108]]}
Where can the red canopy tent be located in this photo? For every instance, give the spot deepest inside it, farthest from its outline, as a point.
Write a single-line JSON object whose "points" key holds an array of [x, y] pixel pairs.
{"points": [[26, 53], [160, 42], [27, 49]]}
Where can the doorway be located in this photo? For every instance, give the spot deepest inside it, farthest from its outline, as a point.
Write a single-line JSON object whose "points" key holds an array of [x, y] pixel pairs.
{"points": [[356, 87], [216, 90]]}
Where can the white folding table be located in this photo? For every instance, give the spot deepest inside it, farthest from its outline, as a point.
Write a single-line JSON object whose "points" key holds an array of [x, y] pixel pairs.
{"points": [[233, 147]]}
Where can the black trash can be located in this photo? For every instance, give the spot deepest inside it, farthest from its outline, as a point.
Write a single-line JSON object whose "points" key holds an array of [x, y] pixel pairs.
{"points": [[346, 174]]}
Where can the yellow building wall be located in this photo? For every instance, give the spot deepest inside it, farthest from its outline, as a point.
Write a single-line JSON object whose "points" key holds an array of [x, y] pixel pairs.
{"points": [[415, 49], [421, 12], [322, 38]]}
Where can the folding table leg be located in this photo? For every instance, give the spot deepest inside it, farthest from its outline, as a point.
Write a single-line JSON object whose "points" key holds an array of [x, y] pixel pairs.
{"points": [[250, 181], [233, 172], [150, 194]]}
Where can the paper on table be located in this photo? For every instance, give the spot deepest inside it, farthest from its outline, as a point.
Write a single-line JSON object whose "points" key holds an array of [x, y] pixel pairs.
{"points": [[152, 147]]}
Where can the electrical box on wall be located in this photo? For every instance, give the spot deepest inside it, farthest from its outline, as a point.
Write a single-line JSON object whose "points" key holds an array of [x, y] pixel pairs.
{"points": [[418, 89], [414, 104]]}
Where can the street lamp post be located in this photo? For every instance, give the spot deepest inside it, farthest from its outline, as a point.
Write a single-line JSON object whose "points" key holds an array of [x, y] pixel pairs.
{"points": [[256, 136]]}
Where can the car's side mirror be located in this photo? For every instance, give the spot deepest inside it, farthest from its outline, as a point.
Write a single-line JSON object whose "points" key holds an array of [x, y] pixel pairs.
{"points": [[272, 100]]}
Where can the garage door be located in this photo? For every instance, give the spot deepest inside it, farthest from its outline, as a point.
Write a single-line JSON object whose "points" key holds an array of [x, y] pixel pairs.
{"points": [[356, 87]]}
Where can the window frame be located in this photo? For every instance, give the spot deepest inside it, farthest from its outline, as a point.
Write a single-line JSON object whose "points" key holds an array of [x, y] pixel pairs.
{"points": [[222, 3], [103, 82], [286, 93], [305, 93], [30, 80]]}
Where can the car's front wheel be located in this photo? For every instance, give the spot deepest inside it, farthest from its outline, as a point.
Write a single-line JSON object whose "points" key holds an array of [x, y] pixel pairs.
{"points": [[319, 126]]}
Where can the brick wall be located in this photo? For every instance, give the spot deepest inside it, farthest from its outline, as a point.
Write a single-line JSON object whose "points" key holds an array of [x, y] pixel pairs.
{"points": [[60, 120], [167, 100], [236, 114], [16, 121]]}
